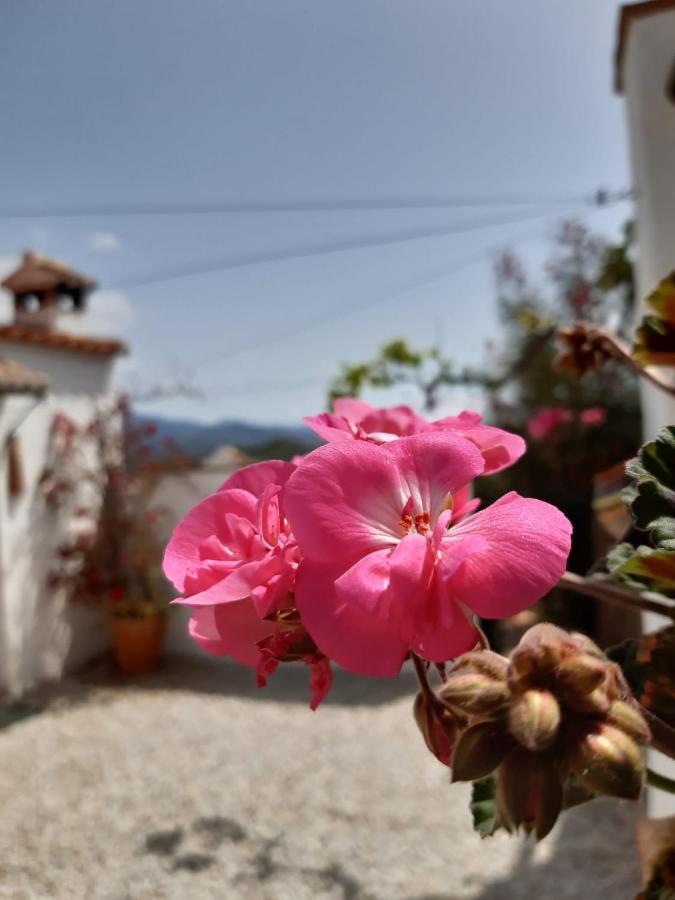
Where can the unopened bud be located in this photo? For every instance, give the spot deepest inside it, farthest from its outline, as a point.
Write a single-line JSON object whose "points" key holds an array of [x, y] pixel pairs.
{"points": [[607, 761], [484, 661], [437, 725], [473, 692], [627, 718], [534, 719], [581, 673], [541, 650], [479, 750], [529, 792], [596, 703], [586, 645]]}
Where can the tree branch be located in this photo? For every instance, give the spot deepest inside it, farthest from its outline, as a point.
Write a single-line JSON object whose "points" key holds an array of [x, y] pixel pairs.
{"points": [[609, 591]]}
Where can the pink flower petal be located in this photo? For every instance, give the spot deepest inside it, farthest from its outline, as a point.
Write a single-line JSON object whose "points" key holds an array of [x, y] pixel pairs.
{"points": [[256, 477], [399, 421], [355, 640], [528, 545], [230, 630], [364, 584], [411, 568], [329, 427], [343, 502], [206, 519], [352, 409], [499, 448], [433, 465], [457, 636]]}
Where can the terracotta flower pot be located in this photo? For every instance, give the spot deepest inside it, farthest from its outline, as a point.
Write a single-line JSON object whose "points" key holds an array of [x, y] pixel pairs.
{"points": [[138, 642]]}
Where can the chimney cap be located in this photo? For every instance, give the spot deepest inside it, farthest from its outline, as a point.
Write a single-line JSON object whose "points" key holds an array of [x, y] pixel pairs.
{"points": [[42, 273]]}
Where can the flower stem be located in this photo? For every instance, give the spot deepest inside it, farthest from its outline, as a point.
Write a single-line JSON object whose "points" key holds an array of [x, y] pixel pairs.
{"points": [[421, 672], [614, 346], [611, 592], [440, 668], [654, 779]]}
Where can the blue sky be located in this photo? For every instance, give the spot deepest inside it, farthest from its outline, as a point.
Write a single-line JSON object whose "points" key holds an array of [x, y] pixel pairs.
{"points": [[339, 102]]}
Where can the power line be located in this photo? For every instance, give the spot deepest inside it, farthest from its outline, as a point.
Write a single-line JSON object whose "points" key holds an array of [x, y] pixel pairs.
{"points": [[217, 265], [429, 278], [370, 204]]}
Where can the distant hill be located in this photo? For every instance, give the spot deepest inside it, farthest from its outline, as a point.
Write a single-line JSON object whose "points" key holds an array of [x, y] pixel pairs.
{"points": [[197, 439]]}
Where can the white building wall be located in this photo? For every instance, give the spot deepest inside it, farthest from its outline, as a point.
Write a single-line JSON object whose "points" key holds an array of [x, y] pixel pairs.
{"points": [[41, 632], [648, 60], [650, 115]]}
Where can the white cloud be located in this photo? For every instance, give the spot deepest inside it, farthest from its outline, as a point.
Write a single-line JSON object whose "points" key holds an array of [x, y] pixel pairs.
{"points": [[103, 241], [109, 314]]}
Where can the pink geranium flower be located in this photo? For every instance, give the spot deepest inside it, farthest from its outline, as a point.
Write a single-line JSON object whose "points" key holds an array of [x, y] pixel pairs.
{"points": [[384, 569], [352, 419], [544, 422], [234, 560]]}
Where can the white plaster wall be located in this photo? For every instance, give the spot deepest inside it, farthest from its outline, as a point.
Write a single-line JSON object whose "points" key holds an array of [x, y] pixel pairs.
{"points": [[41, 632], [650, 115], [70, 374]]}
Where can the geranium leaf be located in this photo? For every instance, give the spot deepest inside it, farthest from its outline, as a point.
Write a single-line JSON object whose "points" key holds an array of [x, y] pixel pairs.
{"points": [[645, 568], [483, 806], [652, 496], [655, 337], [648, 662]]}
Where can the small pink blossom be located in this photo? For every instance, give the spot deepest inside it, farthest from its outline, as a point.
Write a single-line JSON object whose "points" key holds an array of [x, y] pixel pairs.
{"points": [[593, 416], [234, 560], [384, 570], [544, 422], [352, 419]]}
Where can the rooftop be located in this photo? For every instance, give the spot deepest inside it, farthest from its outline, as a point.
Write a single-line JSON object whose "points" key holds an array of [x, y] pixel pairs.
{"points": [[630, 13], [18, 379], [60, 340], [38, 272]]}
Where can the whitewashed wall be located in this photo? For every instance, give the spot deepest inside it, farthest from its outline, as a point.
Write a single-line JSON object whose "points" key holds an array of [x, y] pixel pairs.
{"points": [[650, 116], [41, 633]]}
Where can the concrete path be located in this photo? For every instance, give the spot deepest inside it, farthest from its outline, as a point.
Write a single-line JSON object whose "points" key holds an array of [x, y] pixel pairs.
{"points": [[193, 785]]}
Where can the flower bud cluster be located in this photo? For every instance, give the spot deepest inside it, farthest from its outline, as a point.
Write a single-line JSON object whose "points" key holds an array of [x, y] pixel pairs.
{"points": [[556, 715]]}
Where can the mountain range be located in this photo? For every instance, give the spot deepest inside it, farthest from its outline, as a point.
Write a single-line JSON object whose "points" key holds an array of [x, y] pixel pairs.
{"points": [[198, 439]]}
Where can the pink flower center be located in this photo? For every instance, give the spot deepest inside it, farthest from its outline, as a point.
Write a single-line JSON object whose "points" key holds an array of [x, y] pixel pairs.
{"points": [[420, 523]]}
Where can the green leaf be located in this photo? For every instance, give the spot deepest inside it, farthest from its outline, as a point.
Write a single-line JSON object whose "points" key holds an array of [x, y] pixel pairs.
{"points": [[644, 568], [625, 655], [652, 496], [483, 806], [655, 337], [648, 663]]}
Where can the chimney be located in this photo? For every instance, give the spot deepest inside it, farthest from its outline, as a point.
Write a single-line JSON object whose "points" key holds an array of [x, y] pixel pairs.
{"points": [[43, 288]]}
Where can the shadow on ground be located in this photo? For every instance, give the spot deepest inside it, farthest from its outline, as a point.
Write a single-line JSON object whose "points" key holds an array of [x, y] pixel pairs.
{"points": [[582, 850], [289, 684]]}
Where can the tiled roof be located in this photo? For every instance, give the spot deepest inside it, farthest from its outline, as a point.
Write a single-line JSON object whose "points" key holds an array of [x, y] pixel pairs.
{"points": [[38, 272], [629, 13], [59, 340], [18, 379]]}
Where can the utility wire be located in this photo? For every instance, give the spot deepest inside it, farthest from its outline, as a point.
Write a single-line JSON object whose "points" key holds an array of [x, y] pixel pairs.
{"points": [[244, 260], [429, 278], [374, 204]]}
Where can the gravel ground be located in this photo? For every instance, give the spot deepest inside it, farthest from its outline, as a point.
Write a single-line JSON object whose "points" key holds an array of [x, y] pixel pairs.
{"points": [[191, 784]]}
